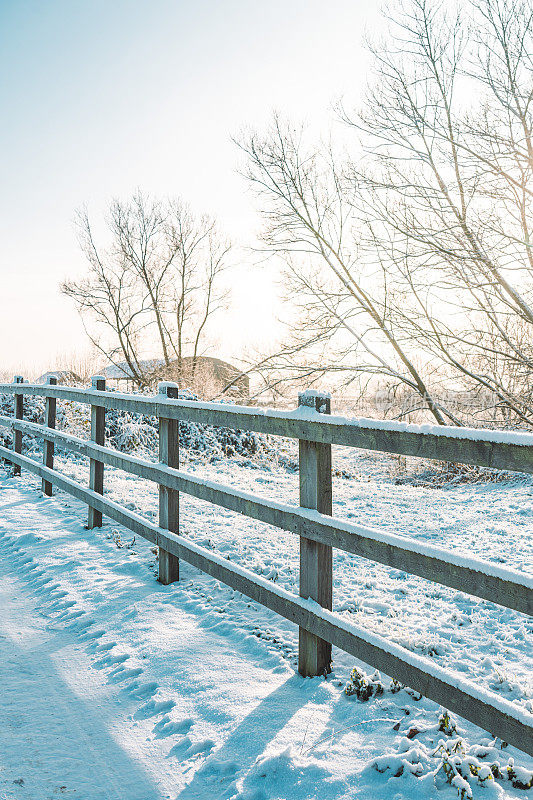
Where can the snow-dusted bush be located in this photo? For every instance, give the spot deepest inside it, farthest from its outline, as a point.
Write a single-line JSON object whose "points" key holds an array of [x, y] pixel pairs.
{"points": [[452, 761], [33, 412], [73, 418], [132, 433], [438, 753], [438, 474], [135, 433], [364, 687]]}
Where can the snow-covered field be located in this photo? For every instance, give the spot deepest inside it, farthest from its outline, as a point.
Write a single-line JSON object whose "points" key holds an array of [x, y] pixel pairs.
{"points": [[115, 686]]}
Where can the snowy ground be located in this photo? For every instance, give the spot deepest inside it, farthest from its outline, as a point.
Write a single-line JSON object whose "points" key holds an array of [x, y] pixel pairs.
{"points": [[113, 686]]}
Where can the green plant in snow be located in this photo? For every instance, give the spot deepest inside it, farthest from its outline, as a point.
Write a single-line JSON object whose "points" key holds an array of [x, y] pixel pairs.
{"points": [[520, 778], [362, 686], [447, 724]]}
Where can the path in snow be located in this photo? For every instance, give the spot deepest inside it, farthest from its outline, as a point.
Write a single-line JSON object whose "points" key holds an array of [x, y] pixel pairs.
{"points": [[57, 714], [79, 716]]}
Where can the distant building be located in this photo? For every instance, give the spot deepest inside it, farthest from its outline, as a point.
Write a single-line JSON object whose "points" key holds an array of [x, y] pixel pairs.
{"points": [[63, 376], [211, 377], [121, 374]]}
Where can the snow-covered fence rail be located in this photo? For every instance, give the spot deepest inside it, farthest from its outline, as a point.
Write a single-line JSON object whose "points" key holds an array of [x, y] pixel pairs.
{"points": [[312, 522], [506, 450]]}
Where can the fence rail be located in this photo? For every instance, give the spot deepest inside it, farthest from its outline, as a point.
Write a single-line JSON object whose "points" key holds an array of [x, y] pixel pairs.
{"points": [[318, 531], [483, 448]]}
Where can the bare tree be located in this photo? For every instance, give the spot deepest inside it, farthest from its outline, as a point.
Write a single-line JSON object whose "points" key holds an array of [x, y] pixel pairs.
{"points": [[446, 187], [155, 287], [344, 321], [412, 260], [113, 310], [196, 292]]}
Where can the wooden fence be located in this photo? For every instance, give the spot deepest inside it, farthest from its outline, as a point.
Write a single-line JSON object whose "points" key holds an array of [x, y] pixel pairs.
{"points": [[311, 521]]}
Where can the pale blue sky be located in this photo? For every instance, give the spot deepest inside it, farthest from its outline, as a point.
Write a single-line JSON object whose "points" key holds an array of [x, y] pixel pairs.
{"points": [[99, 98]]}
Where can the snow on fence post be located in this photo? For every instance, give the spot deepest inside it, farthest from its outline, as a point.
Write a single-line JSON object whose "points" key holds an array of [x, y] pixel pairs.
{"points": [[169, 565], [48, 447], [18, 414], [316, 568], [96, 474]]}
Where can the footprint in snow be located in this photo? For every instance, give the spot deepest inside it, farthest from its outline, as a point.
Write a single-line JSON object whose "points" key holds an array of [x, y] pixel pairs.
{"points": [[120, 674], [141, 691], [71, 615], [42, 580], [185, 748], [92, 635], [153, 707], [82, 624], [110, 661], [66, 604], [58, 595], [115, 659], [200, 748], [166, 727], [46, 587], [104, 647], [225, 769]]}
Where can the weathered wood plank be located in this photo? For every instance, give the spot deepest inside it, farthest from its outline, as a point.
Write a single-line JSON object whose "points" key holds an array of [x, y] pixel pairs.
{"points": [[316, 558], [96, 467], [482, 579], [455, 447], [48, 446], [18, 413], [488, 710], [169, 565]]}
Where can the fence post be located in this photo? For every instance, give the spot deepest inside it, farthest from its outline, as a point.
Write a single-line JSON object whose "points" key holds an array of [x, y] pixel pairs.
{"points": [[169, 565], [18, 414], [316, 568], [48, 447], [96, 474]]}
